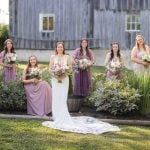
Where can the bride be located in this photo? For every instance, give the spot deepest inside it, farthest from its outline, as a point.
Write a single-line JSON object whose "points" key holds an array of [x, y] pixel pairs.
{"points": [[60, 66]]}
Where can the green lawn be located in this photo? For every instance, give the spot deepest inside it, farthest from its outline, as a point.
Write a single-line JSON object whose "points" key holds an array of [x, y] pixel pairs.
{"points": [[19, 134], [95, 69]]}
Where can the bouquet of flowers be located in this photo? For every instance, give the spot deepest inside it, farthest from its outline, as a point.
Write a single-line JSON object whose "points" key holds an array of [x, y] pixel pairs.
{"points": [[60, 70], [82, 64], [115, 65], [34, 73], [146, 57], [11, 58]]}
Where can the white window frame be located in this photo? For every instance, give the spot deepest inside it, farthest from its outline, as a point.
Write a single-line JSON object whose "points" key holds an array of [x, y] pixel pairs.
{"points": [[131, 22], [41, 16]]}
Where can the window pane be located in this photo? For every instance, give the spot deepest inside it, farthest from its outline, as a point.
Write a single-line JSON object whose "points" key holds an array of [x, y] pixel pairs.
{"points": [[133, 18], [50, 23], [138, 27], [133, 26], [128, 26], [137, 19], [128, 19], [44, 23]]}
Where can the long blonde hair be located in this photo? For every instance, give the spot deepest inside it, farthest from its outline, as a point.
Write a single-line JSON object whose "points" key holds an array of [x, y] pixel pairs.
{"points": [[136, 42]]}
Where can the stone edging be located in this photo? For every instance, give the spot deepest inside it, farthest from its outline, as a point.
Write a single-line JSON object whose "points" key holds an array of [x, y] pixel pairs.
{"points": [[113, 121]]}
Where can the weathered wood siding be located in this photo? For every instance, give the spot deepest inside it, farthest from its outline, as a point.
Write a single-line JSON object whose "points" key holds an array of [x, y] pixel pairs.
{"points": [[102, 21], [109, 27]]}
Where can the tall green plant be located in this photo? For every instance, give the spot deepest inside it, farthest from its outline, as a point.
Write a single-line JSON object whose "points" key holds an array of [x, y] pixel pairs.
{"points": [[142, 83]]}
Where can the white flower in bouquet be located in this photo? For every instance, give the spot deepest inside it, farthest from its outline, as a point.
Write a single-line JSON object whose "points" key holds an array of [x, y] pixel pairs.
{"points": [[11, 58], [115, 65], [84, 63], [146, 57], [34, 73], [60, 70]]}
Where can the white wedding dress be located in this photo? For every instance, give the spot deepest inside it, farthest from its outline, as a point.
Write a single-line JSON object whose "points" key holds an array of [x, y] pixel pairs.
{"points": [[62, 119]]}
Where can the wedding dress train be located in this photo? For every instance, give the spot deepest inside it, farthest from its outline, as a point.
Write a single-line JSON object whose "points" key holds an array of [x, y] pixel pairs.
{"points": [[62, 119]]}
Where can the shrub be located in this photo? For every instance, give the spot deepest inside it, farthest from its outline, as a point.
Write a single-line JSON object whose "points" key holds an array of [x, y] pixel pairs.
{"points": [[95, 79], [12, 96], [46, 76], [114, 97]]}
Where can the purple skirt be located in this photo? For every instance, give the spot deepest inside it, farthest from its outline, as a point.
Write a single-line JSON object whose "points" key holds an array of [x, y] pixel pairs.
{"points": [[9, 74], [39, 98], [82, 83]]}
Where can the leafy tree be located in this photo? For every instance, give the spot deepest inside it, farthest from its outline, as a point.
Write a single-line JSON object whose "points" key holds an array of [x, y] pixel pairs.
{"points": [[3, 35]]}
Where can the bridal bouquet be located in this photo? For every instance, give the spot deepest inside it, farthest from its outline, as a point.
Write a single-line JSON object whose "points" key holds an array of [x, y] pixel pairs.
{"points": [[34, 73], [146, 57], [82, 64], [11, 58], [60, 70]]}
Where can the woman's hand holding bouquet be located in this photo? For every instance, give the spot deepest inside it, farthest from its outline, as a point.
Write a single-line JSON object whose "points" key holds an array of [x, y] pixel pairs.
{"points": [[114, 67], [60, 71], [146, 59], [34, 74], [82, 64]]}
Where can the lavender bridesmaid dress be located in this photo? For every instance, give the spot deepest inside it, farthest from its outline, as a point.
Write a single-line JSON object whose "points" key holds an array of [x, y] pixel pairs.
{"points": [[82, 78], [39, 98], [139, 68], [8, 73]]}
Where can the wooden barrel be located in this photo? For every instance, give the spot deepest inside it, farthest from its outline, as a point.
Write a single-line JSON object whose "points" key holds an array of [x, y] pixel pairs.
{"points": [[74, 103]]}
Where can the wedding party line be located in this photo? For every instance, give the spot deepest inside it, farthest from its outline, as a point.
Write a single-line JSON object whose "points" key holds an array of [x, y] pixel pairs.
{"points": [[44, 98]]}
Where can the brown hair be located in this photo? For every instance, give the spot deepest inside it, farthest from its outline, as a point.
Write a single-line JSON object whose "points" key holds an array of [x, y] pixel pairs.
{"points": [[87, 48], [62, 43], [112, 53], [29, 64], [5, 47]]}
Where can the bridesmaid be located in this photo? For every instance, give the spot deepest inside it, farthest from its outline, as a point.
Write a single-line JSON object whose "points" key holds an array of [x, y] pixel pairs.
{"points": [[140, 66], [82, 78], [113, 61], [38, 92], [9, 69]]}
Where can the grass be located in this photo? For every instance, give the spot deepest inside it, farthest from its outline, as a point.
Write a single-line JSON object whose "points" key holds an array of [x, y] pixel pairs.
{"points": [[95, 69], [19, 134]]}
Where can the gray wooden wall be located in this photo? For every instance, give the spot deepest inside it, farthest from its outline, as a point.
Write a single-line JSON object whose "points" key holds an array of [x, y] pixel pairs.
{"points": [[102, 21]]}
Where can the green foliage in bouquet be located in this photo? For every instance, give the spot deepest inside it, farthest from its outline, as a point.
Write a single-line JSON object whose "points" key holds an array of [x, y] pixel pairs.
{"points": [[114, 97]]}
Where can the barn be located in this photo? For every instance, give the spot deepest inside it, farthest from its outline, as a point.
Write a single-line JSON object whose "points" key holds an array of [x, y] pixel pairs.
{"points": [[38, 24]]}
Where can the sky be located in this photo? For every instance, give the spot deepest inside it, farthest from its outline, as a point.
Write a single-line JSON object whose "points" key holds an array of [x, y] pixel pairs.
{"points": [[4, 14]]}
